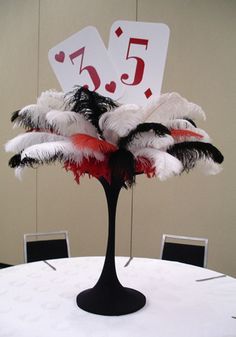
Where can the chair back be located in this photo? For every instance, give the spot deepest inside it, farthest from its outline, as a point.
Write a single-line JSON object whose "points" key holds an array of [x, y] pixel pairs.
{"points": [[190, 250], [46, 246]]}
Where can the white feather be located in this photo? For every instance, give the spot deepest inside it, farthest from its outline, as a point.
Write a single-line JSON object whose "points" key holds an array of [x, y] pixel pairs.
{"points": [[52, 99], [120, 122], [149, 139], [34, 113], [165, 165], [47, 151], [68, 123], [171, 106], [208, 166], [47, 101], [19, 172], [22, 141]]}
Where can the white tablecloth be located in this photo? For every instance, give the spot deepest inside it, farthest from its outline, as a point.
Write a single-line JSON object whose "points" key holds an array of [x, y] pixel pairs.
{"points": [[36, 301]]}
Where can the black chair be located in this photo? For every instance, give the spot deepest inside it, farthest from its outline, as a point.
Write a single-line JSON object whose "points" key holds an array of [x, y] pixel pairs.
{"points": [[5, 265], [190, 250], [46, 246]]}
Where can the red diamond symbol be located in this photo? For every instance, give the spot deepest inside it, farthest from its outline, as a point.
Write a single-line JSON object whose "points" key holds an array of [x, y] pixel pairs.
{"points": [[148, 93], [118, 32]]}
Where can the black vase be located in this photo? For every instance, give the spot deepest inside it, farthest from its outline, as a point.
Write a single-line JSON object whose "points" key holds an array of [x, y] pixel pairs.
{"points": [[108, 297]]}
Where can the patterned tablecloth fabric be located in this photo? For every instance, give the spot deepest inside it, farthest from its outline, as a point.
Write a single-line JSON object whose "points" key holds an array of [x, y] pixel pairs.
{"points": [[37, 301]]}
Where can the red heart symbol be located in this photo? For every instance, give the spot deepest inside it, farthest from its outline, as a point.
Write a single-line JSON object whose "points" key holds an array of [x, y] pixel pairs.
{"points": [[110, 87], [60, 57]]}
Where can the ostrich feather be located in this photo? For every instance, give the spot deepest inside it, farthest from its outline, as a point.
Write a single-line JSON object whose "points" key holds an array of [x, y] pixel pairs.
{"points": [[189, 153], [68, 123], [122, 166], [90, 104], [82, 141], [15, 115], [165, 165], [208, 166], [147, 135], [33, 116], [22, 141], [119, 122], [171, 106], [60, 151], [186, 135], [30, 117], [15, 161], [183, 130], [52, 100], [19, 172]]}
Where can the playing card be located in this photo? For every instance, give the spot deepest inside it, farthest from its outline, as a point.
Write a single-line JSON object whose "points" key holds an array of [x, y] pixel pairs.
{"points": [[82, 59], [139, 51]]}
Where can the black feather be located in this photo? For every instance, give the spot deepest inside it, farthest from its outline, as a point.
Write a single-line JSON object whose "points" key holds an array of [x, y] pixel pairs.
{"points": [[28, 161], [90, 104], [191, 121], [122, 165], [190, 152], [158, 129], [15, 115], [31, 162], [15, 161]]}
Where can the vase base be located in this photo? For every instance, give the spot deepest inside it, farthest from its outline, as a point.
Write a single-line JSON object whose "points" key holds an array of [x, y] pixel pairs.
{"points": [[110, 302]]}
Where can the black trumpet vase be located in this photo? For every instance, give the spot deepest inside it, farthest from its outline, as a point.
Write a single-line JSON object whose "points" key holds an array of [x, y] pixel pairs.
{"points": [[108, 297]]}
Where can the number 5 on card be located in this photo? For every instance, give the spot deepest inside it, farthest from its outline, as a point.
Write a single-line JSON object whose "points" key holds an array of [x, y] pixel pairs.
{"points": [[139, 51]]}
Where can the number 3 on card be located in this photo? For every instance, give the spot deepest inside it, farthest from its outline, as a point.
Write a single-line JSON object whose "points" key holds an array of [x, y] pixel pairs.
{"points": [[82, 59], [90, 69]]}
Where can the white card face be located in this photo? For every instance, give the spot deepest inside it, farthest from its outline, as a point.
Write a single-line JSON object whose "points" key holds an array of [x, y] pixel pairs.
{"points": [[139, 51], [82, 59]]}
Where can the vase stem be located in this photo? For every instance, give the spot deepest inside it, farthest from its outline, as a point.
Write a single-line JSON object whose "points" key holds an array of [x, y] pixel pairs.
{"points": [[108, 297], [108, 275]]}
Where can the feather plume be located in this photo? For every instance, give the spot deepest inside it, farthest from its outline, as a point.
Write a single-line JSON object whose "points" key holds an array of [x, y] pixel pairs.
{"points": [[147, 135], [15, 161], [19, 172], [68, 123], [30, 117], [143, 165], [15, 115], [33, 116], [153, 129], [208, 166], [22, 141], [183, 130], [92, 134], [58, 151], [165, 164], [82, 141], [52, 100], [90, 104], [191, 152], [171, 106], [120, 121], [122, 166], [191, 121]]}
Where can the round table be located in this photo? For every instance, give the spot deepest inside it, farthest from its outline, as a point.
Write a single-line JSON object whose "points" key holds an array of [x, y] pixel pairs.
{"points": [[38, 301]]}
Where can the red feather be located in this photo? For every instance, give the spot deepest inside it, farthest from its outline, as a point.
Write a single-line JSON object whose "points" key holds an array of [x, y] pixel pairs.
{"points": [[85, 141], [184, 133], [89, 166], [143, 165]]}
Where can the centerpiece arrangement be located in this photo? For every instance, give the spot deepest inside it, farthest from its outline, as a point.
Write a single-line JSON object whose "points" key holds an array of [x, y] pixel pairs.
{"points": [[94, 135]]}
